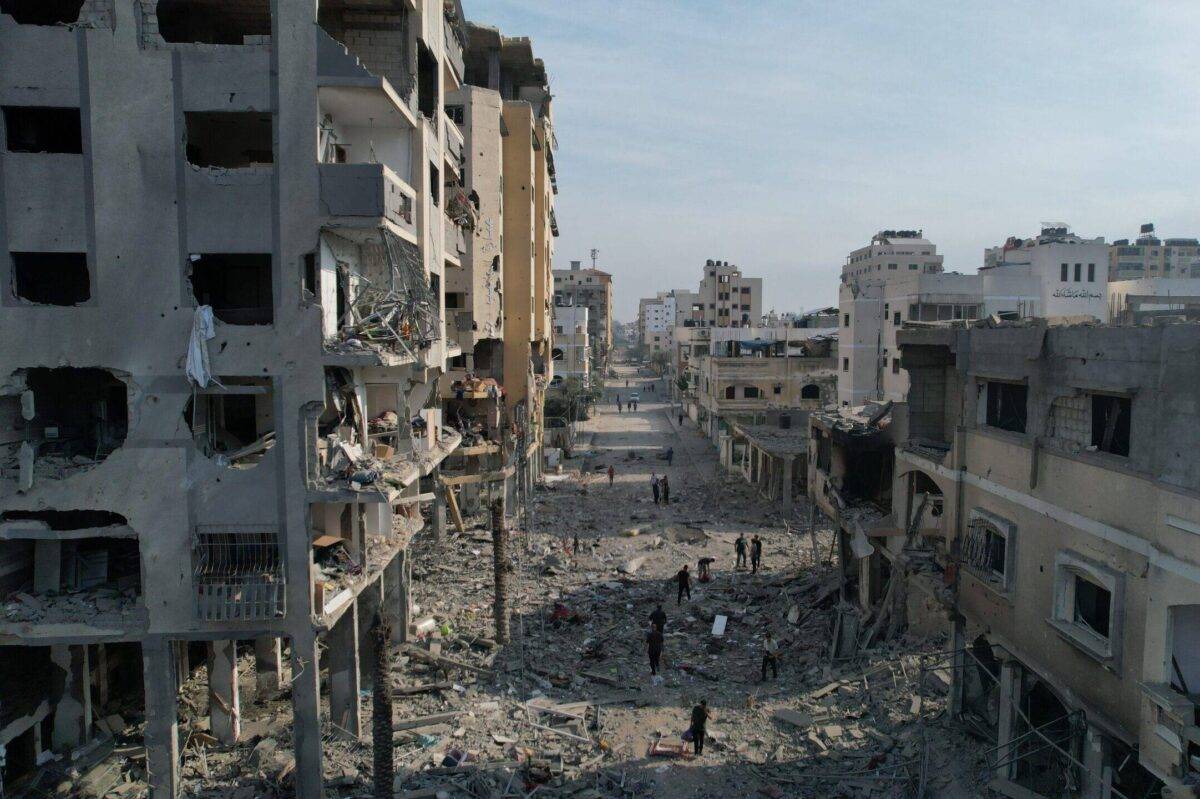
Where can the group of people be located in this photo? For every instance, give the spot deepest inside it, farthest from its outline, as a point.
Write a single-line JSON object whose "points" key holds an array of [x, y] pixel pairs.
{"points": [[739, 548], [660, 487], [696, 731], [630, 405]]}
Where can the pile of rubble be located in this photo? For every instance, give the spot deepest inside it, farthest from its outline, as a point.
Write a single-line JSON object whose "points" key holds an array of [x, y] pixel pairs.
{"points": [[88, 606]]}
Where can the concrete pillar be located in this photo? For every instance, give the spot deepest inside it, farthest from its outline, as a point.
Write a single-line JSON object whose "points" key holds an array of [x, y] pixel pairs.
{"points": [[789, 467], [47, 566], [268, 665], [390, 593], [1006, 728], [1097, 765], [958, 665], [159, 673], [438, 510], [224, 712], [71, 691], [101, 677], [306, 714], [345, 675]]}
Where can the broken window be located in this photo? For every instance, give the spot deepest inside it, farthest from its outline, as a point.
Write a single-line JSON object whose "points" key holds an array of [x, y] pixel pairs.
{"points": [[751, 392], [213, 21], [229, 139], [435, 184], [1184, 664], [103, 574], [1110, 423], [234, 422], [987, 549], [238, 572], [1093, 606], [42, 12], [64, 519], [59, 422], [51, 278], [237, 286], [427, 80], [730, 392], [895, 366], [1006, 405], [810, 392], [36, 129]]}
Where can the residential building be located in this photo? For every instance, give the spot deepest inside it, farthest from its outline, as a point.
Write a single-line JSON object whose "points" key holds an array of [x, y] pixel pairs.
{"points": [[1148, 257], [656, 321], [898, 280], [1033, 499], [572, 347], [506, 65], [266, 179], [728, 298], [591, 289]]}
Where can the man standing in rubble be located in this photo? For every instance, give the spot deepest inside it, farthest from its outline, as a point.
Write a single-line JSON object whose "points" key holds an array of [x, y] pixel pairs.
{"points": [[700, 717], [739, 547], [666, 491], [659, 617], [654, 647], [618, 403], [612, 474], [755, 553], [654, 487], [770, 657], [684, 578]]}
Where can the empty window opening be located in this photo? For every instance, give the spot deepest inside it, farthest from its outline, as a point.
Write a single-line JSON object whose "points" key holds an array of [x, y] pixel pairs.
{"points": [[64, 519], [1092, 606], [308, 281], [895, 366], [42, 12], [456, 299], [730, 392], [237, 286], [64, 581], [214, 21], [751, 392], [43, 130], [1110, 423], [236, 424], [427, 81], [55, 423], [1006, 405], [435, 184], [51, 278], [1184, 664], [229, 139], [810, 392], [556, 354]]}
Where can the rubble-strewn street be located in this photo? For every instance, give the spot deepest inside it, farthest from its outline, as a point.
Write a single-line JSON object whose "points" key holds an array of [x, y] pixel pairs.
{"points": [[569, 708]]}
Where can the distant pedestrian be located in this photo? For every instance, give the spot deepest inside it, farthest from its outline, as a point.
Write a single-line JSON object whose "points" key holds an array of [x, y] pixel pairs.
{"points": [[635, 402], [666, 491], [755, 553], [654, 487], [659, 617], [681, 420], [739, 547], [612, 474], [770, 658], [654, 647], [618, 403], [670, 455], [685, 585], [700, 717]]}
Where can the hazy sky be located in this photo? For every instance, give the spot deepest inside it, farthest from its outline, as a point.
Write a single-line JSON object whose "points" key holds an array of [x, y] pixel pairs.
{"points": [[781, 135]]}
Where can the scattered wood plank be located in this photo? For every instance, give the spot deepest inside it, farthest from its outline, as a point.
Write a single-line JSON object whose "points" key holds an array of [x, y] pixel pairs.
{"points": [[425, 721]]}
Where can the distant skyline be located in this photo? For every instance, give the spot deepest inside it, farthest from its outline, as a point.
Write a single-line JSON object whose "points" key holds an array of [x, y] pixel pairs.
{"points": [[781, 135]]}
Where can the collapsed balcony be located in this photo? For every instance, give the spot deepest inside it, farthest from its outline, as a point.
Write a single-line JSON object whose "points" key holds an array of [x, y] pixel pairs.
{"points": [[51, 580], [351, 544], [59, 422], [233, 420], [377, 299]]}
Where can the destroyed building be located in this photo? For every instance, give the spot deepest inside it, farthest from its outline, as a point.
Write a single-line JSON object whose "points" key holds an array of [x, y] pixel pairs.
{"points": [[591, 289], [224, 240], [1036, 500]]}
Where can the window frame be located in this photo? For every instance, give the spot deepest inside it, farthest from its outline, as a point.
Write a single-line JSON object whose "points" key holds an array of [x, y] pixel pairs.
{"points": [[1000, 582], [1068, 567]]}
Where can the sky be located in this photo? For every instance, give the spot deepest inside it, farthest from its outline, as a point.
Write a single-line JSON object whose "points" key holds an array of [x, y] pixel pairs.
{"points": [[779, 136]]}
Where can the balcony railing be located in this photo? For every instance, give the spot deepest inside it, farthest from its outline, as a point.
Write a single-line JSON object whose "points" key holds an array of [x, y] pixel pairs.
{"points": [[367, 190]]}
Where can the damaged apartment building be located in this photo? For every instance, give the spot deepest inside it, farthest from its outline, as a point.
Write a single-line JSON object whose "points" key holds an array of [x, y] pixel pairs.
{"points": [[498, 290], [1036, 498], [226, 230]]}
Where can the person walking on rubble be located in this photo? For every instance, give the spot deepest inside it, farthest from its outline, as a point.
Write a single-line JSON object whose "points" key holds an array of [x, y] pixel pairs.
{"points": [[670, 455], [684, 578], [704, 565], [612, 474], [654, 647], [681, 419], [618, 403], [755, 553], [770, 658], [739, 547], [666, 490], [658, 617], [654, 486], [700, 717]]}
